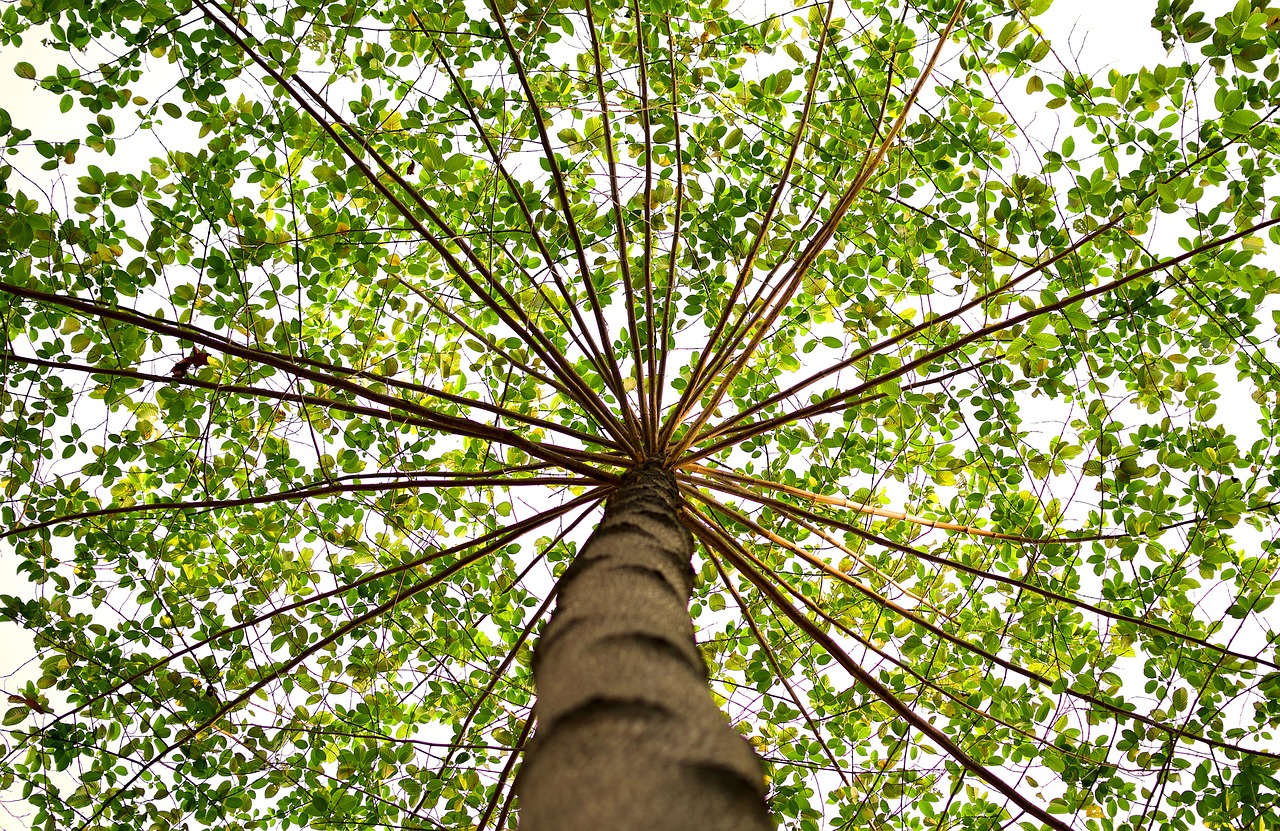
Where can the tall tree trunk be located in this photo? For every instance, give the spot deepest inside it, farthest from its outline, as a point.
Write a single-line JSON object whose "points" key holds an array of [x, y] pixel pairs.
{"points": [[628, 736]]}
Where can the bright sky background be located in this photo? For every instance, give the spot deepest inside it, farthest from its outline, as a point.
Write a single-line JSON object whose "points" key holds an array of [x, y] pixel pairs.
{"points": [[1090, 35]]}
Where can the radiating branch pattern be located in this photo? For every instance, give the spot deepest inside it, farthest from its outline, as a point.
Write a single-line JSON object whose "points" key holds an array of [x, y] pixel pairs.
{"points": [[610, 413]]}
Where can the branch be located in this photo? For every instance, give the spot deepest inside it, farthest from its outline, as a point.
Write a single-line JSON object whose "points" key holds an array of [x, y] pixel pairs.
{"points": [[728, 548], [504, 776], [447, 480], [620, 226], [821, 564], [910, 366], [778, 673], [498, 538], [614, 378], [1142, 623], [340, 632], [696, 383], [592, 351], [566, 457], [530, 333], [318, 401], [777, 301], [870, 510]]}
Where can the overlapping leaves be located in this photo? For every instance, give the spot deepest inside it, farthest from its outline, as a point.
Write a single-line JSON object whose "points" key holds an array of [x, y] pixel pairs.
{"points": [[331, 329]]}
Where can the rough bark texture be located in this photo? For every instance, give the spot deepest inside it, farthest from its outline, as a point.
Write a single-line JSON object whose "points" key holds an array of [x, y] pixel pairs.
{"points": [[628, 737]]}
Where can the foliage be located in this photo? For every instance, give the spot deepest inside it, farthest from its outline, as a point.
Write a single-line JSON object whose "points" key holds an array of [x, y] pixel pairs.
{"points": [[332, 323]]}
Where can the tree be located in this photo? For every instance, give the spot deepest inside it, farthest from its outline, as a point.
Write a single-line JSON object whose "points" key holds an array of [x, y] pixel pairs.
{"points": [[335, 324]]}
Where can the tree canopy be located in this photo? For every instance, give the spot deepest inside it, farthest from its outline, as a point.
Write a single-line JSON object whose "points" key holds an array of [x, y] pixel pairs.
{"points": [[329, 324]]}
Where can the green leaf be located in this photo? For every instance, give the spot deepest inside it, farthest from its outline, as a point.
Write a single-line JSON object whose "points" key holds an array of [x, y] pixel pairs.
{"points": [[1008, 33], [1240, 122], [323, 368]]}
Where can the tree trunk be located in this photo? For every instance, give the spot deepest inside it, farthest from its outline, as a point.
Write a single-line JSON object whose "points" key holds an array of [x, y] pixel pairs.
{"points": [[628, 736]]}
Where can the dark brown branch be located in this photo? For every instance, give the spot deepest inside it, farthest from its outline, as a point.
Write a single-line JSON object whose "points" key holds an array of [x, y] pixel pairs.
{"points": [[728, 548], [492, 345], [778, 300], [521, 639], [696, 378], [620, 231], [507, 768], [870, 510], [822, 565], [1034, 269], [318, 401], [744, 563], [511, 792], [923, 360], [648, 404], [312, 492], [660, 379], [566, 457], [778, 672], [502, 536], [592, 350], [308, 99], [793, 510], [737, 433], [938, 631], [614, 377], [340, 632]]}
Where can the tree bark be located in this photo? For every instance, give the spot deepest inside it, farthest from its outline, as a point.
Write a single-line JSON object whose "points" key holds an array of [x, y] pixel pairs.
{"points": [[628, 736]]}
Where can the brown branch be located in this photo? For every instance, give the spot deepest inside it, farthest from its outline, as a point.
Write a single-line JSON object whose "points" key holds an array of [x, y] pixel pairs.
{"points": [[729, 549], [743, 561], [339, 633], [777, 301], [1035, 269], [614, 378], [511, 792], [783, 507], [620, 230], [751, 429], [957, 641], [674, 422], [847, 579], [778, 672], [524, 635], [565, 457], [327, 403], [870, 510], [503, 777], [498, 349], [499, 537], [529, 333], [647, 402], [660, 380], [696, 383], [592, 350], [309, 492], [986, 331]]}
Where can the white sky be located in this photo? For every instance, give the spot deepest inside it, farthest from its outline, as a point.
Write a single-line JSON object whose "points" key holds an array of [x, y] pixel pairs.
{"points": [[1093, 35]]}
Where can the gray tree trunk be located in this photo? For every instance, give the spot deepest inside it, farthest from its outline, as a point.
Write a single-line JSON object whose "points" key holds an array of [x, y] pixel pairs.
{"points": [[628, 737]]}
